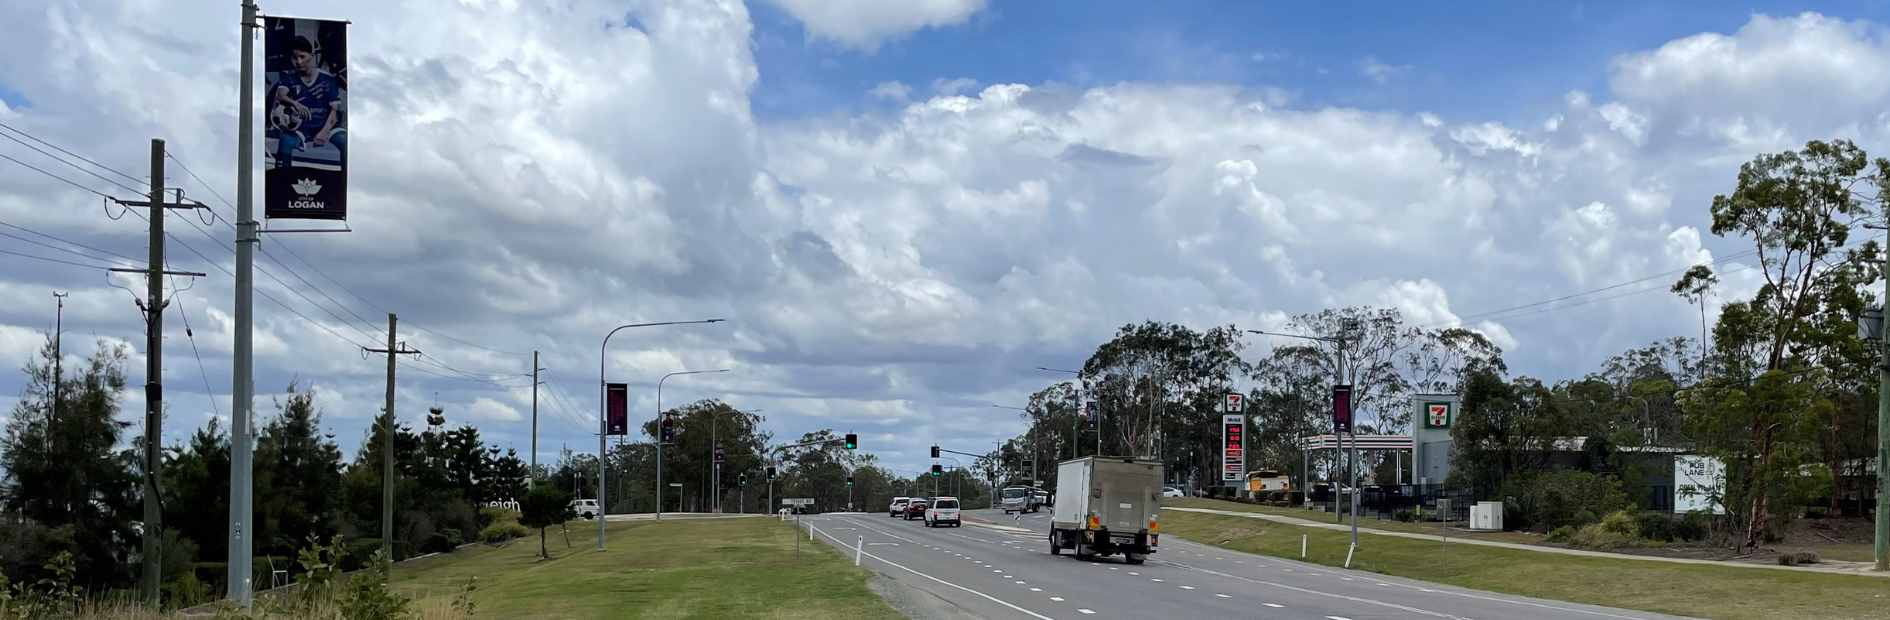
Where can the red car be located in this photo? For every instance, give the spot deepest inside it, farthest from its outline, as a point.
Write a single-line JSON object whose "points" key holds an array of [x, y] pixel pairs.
{"points": [[915, 509]]}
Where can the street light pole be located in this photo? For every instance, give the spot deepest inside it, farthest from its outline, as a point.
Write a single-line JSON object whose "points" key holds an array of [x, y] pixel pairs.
{"points": [[659, 434], [1351, 471], [602, 418]]}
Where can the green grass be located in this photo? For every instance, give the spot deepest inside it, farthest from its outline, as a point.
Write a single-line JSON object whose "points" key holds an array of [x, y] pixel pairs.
{"points": [[1685, 589], [705, 568], [1365, 520]]}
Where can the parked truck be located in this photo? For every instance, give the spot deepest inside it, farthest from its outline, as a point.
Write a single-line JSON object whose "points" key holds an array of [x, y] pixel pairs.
{"points": [[1021, 499], [1107, 505]]}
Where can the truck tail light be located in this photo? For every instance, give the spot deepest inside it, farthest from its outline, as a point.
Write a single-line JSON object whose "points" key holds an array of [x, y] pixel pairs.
{"points": [[1095, 523], [1153, 526]]}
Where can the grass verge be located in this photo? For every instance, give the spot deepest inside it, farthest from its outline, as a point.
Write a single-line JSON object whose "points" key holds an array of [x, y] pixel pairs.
{"points": [[1685, 589], [1365, 520], [698, 568]]}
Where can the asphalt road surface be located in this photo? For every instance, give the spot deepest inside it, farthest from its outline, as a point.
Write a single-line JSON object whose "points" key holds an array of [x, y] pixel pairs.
{"points": [[985, 572]]}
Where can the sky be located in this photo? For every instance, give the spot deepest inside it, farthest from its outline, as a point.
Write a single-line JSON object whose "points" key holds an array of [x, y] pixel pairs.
{"points": [[903, 209]]}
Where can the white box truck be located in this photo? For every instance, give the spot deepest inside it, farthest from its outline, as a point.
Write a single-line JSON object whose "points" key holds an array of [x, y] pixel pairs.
{"points": [[1107, 505]]}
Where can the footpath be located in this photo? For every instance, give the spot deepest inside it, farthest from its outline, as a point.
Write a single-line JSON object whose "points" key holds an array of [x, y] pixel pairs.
{"points": [[1833, 568]]}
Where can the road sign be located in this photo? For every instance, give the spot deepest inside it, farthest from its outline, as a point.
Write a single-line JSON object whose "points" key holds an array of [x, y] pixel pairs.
{"points": [[1234, 403], [1342, 408], [797, 501]]}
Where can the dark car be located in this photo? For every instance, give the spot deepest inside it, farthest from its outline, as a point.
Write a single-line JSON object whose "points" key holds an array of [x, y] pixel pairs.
{"points": [[915, 509]]}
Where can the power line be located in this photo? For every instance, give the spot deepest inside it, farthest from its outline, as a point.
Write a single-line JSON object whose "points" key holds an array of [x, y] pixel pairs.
{"points": [[206, 186], [208, 392], [69, 241], [80, 157], [55, 260], [73, 165], [51, 246], [55, 176]]}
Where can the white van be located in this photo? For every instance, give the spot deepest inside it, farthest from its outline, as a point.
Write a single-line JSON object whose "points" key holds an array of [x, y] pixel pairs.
{"points": [[586, 508]]}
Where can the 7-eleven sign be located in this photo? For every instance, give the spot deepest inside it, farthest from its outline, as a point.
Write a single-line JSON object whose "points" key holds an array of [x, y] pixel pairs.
{"points": [[1437, 415], [1235, 403]]}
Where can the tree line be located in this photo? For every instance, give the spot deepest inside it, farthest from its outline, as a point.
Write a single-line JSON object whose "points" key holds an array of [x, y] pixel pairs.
{"points": [[1780, 386]]}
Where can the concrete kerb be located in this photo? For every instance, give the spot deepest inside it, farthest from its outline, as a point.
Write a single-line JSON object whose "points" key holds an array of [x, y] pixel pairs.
{"points": [[1861, 569]]}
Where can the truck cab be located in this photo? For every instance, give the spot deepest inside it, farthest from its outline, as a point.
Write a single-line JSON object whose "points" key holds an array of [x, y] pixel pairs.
{"points": [[1019, 499]]}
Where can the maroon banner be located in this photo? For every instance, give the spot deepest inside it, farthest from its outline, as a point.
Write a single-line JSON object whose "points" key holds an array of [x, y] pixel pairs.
{"points": [[617, 408], [1342, 408]]}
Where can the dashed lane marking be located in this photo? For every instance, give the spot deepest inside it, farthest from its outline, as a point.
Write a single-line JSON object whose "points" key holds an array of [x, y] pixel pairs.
{"points": [[1274, 605], [1036, 589], [1086, 611], [1186, 587], [1222, 595], [1058, 599]]}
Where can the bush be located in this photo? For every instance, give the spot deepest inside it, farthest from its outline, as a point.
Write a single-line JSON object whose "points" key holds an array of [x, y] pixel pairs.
{"points": [[1618, 529], [1548, 500], [1796, 558], [437, 543], [1693, 526], [502, 531], [1655, 526], [1405, 515], [1560, 534]]}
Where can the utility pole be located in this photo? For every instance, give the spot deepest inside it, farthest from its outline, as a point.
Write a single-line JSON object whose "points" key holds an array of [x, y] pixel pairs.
{"points": [[153, 380], [1883, 435], [241, 388], [59, 330], [387, 440], [535, 369]]}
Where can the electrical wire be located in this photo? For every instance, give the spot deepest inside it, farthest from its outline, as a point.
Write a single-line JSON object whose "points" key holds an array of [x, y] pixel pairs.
{"points": [[76, 155], [72, 165], [55, 176], [53, 247], [68, 241], [55, 260], [208, 392]]}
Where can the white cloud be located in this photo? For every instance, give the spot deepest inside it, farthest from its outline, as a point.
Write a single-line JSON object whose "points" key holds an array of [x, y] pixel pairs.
{"points": [[489, 410], [1379, 71], [954, 86], [891, 91], [865, 24]]}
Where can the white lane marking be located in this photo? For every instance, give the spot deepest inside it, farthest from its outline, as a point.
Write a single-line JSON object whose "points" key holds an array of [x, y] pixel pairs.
{"points": [[1058, 599], [1036, 589], [1186, 587], [996, 570], [1346, 578], [1283, 586], [942, 581], [1154, 580], [1222, 595], [1219, 558], [1114, 568], [1135, 573], [1337, 618], [1274, 605], [1086, 611], [1287, 569], [1019, 583]]}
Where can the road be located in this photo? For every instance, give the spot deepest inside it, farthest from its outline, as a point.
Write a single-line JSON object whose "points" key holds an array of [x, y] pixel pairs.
{"points": [[987, 572]]}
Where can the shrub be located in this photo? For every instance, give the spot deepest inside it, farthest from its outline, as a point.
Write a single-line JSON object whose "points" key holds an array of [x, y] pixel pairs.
{"points": [[1405, 515], [1653, 526], [1693, 526], [1560, 534], [1798, 557], [1619, 529], [437, 543], [1548, 500], [501, 532]]}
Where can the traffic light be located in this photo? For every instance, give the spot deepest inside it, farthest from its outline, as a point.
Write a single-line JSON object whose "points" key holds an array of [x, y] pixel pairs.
{"points": [[770, 473], [849, 480], [937, 470], [718, 455], [669, 430], [853, 441], [934, 453], [742, 480]]}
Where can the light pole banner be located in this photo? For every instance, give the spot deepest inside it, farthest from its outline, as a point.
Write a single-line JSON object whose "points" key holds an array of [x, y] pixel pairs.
{"points": [[1233, 449], [305, 124], [617, 409]]}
